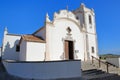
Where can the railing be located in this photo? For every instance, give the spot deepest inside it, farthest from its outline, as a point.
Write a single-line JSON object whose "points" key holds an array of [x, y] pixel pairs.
{"points": [[107, 64]]}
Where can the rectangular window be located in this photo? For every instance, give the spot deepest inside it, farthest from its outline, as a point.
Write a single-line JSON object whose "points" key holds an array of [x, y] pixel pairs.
{"points": [[90, 19], [92, 49], [17, 48]]}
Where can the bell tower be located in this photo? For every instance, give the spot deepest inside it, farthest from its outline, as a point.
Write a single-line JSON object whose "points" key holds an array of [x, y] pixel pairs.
{"points": [[86, 17]]}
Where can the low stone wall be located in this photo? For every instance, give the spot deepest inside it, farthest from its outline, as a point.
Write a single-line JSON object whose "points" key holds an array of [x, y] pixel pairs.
{"points": [[44, 70], [114, 61]]}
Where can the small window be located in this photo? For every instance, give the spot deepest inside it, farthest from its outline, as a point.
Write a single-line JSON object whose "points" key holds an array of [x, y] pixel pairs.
{"points": [[17, 48], [90, 19], [92, 49]]}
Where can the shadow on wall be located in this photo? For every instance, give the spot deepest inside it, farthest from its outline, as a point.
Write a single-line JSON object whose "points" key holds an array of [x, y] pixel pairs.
{"points": [[10, 52]]}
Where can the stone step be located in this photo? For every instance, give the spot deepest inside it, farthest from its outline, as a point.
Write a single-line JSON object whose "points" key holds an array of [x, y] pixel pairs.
{"points": [[88, 65], [90, 71], [110, 77], [93, 72]]}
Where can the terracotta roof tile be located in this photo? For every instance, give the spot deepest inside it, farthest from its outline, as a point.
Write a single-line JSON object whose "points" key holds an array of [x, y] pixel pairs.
{"points": [[32, 38]]}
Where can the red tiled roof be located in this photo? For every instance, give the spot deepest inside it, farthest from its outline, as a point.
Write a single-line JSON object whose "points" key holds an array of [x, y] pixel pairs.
{"points": [[32, 38]]}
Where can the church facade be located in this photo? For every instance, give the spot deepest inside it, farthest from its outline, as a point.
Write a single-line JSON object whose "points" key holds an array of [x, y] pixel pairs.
{"points": [[70, 35]]}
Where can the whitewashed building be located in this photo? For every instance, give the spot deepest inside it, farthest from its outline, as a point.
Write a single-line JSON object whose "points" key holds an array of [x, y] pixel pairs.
{"points": [[70, 35]]}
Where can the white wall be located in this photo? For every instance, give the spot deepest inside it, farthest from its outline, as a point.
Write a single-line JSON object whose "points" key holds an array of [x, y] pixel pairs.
{"points": [[91, 33], [115, 61], [44, 70], [83, 13], [92, 43], [42, 33], [9, 47], [57, 34], [91, 28], [35, 51], [22, 54]]}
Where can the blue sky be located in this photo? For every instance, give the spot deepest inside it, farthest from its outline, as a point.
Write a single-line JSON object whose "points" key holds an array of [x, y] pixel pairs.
{"points": [[26, 16]]}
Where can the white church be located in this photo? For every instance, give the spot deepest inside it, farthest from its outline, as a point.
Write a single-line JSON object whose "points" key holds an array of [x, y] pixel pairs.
{"points": [[71, 35]]}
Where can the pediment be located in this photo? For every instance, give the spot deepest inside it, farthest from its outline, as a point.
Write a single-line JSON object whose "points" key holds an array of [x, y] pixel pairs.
{"points": [[65, 14]]}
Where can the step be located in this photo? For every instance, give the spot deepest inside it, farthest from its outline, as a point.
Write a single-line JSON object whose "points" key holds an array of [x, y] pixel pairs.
{"points": [[91, 71], [94, 73], [112, 77]]}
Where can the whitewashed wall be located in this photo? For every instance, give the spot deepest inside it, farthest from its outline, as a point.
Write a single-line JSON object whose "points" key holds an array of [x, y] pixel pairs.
{"points": [[23, 49], [57, 34], [115, 61], [42, 33], [90, 29], [35, 51], [9, 46], [91, 33], [92, 43], [44, 70]]}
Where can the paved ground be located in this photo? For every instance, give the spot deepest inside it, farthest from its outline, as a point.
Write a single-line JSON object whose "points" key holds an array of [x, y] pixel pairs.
{"points": [[88, 65], [93, 72]]}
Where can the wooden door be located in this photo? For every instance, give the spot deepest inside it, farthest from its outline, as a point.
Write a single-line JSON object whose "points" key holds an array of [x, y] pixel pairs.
{"points": [[66, 50], [69, 50]]}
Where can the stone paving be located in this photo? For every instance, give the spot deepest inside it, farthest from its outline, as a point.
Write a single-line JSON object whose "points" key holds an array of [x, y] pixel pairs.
{"points": [[88, 65], [93, 72]]}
